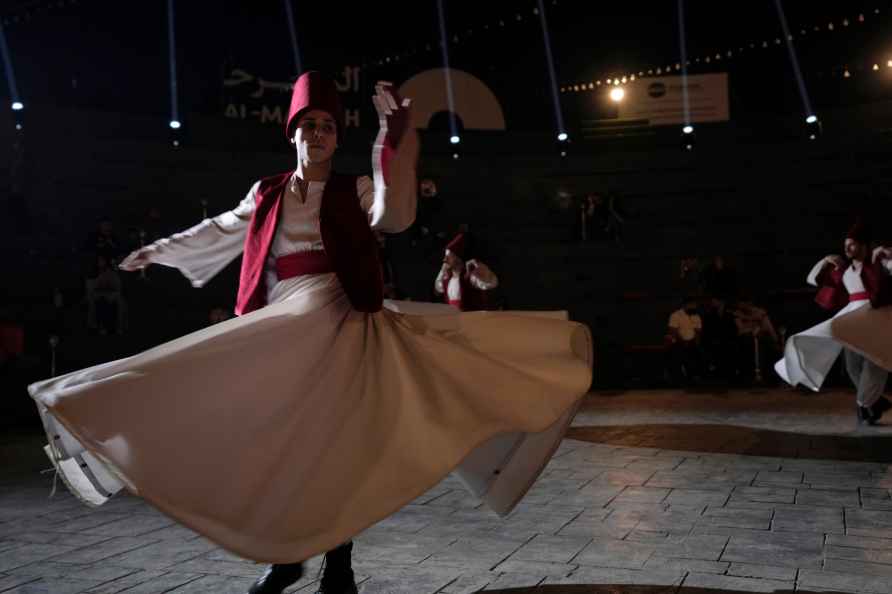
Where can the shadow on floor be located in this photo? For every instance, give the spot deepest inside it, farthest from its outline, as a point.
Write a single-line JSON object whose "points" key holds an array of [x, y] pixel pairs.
{"points": [[729, 439]]}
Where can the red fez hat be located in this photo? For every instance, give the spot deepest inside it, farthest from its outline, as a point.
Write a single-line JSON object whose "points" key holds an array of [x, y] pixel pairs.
{"points": [[311, 91], [859, 231], [457, 245]]}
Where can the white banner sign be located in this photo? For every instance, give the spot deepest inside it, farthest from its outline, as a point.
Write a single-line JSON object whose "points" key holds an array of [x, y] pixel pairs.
{"points": [[659, 100]]}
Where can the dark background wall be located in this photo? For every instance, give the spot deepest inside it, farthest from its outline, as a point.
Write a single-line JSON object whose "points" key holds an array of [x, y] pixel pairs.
{"points": [[771, 202]]}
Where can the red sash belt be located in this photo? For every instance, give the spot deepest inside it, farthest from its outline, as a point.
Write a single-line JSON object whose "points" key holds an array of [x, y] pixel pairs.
{"points": [[862, 296], [301, 263]]}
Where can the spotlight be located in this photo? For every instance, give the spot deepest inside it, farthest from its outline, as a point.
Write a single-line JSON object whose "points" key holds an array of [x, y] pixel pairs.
{"points": [[455, 156], [688, 138], [889, 63], [454, 139], [563, 153], [876, 66], [17, 106], [813, 127], [175, 124], [562, 136], [176, 143], [617, 94], [18, 126]]}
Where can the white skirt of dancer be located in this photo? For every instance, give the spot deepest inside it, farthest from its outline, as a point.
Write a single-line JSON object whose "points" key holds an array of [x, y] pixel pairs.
{"points": [[809, 355], [285, 432]]}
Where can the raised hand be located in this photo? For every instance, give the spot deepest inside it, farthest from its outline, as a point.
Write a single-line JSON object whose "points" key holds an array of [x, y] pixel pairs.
{"points": [[835, 261], [393, 114], [138, 259], [882, 253]]}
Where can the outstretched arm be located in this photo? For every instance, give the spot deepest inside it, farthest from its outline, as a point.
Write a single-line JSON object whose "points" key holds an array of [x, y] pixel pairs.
{"points": [[202, 251], [819, 276]]}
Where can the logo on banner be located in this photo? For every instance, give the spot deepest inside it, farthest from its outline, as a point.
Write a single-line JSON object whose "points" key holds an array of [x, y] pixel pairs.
{"points": [[250, 97]]}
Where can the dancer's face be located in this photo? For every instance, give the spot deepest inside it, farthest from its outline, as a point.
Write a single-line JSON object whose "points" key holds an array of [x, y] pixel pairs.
{"points": [[451, 260], [316, 137], [855, 250]]}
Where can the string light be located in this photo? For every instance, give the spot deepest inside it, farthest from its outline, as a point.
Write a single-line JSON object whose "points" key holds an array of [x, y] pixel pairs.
{"points": [[765, 44]]}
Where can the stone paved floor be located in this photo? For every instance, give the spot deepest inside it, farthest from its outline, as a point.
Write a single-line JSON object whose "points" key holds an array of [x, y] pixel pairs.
{"points": [[614, 511]]}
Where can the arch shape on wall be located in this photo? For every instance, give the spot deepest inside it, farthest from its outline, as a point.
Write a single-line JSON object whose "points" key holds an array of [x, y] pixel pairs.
{"points": [[476, 105]]}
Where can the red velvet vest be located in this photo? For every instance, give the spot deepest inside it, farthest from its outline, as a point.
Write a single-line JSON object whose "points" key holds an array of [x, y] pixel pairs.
{"points": [[833, 295], [346, 236]]}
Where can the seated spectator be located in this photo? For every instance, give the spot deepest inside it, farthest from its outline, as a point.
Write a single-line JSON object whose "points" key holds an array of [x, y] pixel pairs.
{"points": [[105, 302], [720, 340], [683, 336], [756, 338]]}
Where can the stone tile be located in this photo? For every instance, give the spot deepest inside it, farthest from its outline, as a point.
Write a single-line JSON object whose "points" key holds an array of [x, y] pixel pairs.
{"points": [[861, 555], [49, 569], [770, 572], [780, 477], [57, 538], [53, 586], [31, 553], [537, 567], [161, 555], [474, 553], [670, 579], [615, 553], [707, 547], [517, 583], [781, 549], [623, 477], [455, 499], [759, 519], [858, 567], [133, 525], [686, 565], [831, 480], [822, 520], [735, 584], [595, 528], [814, 580], [400, 548], [859, 542], [151, 581], [211, 584], [829, 498], [413, 518], [104, 550], [691, 497], [409, 581], [700, 480], [765, 494], [554, 549], [642, 495], [7, 582]]}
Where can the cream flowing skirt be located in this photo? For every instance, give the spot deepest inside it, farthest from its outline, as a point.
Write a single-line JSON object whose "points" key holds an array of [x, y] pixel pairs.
{"points": [[282, 433], [809, 355]]}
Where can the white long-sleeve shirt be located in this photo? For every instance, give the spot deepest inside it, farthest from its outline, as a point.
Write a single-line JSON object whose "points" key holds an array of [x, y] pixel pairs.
{"points": [[203, 250]]}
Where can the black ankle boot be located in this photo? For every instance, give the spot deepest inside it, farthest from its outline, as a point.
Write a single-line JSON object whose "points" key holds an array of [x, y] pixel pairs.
{"points": [[338, 575], [879, 407], [865, 416], [276, 578]]}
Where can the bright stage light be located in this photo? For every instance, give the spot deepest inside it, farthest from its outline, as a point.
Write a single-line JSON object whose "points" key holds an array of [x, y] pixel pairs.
{"points": [[617, 94], [454, 139], [175, 124], [811, 119], [688, 129], [17, 106], [562, 136]]}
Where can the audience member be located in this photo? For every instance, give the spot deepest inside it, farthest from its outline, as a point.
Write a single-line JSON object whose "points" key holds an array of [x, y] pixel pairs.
{"points": [[683, 335]]}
